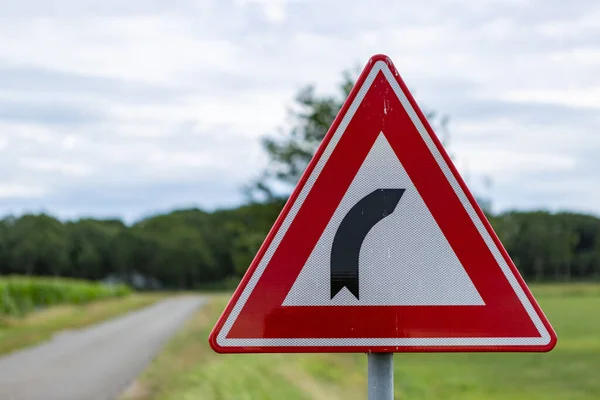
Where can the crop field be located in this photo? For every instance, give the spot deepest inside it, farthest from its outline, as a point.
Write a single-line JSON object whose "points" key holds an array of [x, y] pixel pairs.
{"points": [[188, 368], [20, 295]]}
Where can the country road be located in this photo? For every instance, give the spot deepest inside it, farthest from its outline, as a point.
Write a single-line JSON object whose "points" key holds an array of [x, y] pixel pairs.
{"points": [[96, 363]]}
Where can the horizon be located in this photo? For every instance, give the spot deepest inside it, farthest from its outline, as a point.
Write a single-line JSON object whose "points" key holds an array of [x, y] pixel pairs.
{"points": [[152, 213]]}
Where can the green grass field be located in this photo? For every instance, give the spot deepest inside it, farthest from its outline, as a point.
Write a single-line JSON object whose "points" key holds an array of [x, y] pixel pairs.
{"points": [[189, 369]]}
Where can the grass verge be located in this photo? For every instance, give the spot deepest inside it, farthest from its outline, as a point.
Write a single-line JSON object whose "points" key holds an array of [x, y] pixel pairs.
{"points": [[20, 332], [189, 369]]}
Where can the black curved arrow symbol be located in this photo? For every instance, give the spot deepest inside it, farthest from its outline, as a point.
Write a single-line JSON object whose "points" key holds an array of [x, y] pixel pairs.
{"points": [[352, 232]]}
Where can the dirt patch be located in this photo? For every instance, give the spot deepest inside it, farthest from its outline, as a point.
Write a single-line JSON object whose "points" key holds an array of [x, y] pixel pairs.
{"points": [[135, 391]]}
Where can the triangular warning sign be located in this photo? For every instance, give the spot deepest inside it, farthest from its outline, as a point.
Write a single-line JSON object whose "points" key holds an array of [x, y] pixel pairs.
{"points": [[381, 247]]}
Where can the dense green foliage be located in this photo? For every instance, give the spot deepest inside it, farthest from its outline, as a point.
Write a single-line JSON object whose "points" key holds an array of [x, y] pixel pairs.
{"points": [[192, 248], [19, 295], [183, 249]]}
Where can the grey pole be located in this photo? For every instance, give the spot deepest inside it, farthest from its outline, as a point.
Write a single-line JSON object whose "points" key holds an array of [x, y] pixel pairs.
{"points": [[381, 376]]}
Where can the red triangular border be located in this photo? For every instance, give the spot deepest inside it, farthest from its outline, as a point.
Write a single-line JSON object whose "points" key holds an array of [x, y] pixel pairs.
{"points": [[255, 321]]}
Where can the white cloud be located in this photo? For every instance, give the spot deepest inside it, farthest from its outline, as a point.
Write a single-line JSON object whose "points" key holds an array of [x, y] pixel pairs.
{"points": [[15, 190], [26, 132], [251, 114], [510, 164], [577, 97], [51, 165], [69, 142], [151, 95], [586, 24], [154, 49], [274, 10]]}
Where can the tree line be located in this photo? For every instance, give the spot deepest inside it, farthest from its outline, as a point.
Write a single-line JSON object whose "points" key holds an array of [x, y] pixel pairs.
{"points": [[182, 249], [188, 249], [193, 248]]}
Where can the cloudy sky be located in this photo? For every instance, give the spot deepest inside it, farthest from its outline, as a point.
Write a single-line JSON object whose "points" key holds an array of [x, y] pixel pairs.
{"points": [[124, 108]]}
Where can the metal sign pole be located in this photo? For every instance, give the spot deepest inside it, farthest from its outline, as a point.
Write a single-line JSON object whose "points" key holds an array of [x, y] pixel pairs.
{"points": [[381, 376]]}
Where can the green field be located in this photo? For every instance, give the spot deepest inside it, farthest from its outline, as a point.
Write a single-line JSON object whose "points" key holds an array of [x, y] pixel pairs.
{"points": [[189, 369], [20, 295]]}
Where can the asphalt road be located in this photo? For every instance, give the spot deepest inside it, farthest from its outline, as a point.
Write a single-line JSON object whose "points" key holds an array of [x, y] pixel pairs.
{"points": [[97, 363]]}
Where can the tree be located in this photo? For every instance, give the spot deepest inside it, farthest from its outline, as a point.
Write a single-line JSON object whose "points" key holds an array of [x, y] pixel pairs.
{"points": [[292, 147], [89, 248], [37, 245], [189, 248], [247, 228]]}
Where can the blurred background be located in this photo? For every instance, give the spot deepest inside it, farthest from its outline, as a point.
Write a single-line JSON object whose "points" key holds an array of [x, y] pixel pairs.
{"points": [[146, 148]]}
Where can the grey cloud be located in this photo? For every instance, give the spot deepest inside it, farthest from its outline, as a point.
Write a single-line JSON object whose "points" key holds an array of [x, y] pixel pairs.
{"points": [[232, 82], [38, 80], [526, 112], [350, 20], [131, 201], [554, 191], [62, 8], [48, 113], [572, 189], [386, 13]]}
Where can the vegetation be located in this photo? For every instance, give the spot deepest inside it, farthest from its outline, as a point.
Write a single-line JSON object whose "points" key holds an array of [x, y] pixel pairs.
{"points": [[195, 249], [19, 295], [188, 368], [33, 328], [291, 149]]}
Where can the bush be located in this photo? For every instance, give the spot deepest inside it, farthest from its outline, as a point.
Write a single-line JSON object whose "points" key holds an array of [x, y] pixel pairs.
{"points": [[20, 295]]}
